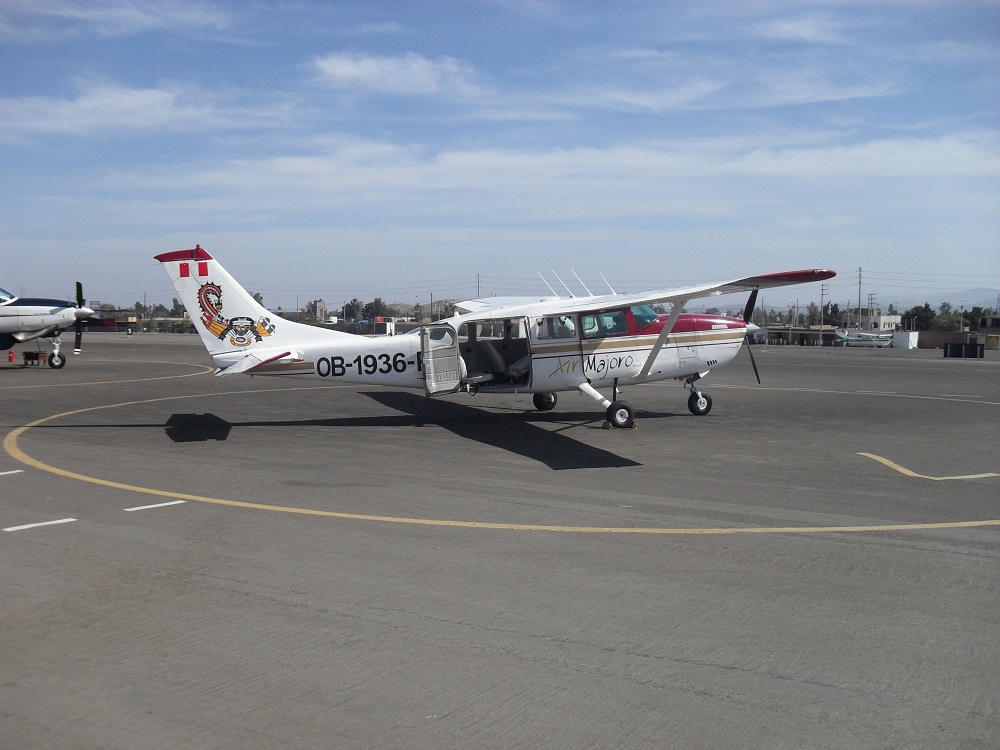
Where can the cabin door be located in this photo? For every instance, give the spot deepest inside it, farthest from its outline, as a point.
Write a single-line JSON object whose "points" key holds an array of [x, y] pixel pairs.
{"points": [[441, 361]]}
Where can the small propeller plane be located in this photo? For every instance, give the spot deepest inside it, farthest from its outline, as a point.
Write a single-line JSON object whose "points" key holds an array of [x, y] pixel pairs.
{"points": [[855, 337], [514, 345], [28, 318]]}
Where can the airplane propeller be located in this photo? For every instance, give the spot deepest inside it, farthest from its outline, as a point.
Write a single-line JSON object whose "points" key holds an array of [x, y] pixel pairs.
{"points": [[747, 314], [78, 338]]}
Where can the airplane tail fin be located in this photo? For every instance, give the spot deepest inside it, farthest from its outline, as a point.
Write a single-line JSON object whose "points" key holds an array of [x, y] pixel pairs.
{"points": [[229, 320]]}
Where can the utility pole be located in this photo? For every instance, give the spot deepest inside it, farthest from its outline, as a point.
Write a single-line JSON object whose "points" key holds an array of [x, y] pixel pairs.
{"points": [[822, 296], [859, 298], [477, 287]]}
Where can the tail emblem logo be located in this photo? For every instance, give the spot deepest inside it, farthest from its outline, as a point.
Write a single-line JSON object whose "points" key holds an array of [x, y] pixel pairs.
{"points": [[242, 330]]}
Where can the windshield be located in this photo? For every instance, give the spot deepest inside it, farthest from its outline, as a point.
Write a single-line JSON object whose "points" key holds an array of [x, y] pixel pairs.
{"points": [[644, 315], [5, 296]]}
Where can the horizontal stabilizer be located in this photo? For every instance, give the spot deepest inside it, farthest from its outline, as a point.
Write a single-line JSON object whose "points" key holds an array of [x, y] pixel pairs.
{"points": [[252, 360]]}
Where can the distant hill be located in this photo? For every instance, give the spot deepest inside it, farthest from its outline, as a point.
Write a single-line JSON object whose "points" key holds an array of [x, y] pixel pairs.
{"points": [[967, 299]]}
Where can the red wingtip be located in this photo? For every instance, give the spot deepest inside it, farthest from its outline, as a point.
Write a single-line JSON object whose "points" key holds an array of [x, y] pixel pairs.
{"points": [[797, 277]]}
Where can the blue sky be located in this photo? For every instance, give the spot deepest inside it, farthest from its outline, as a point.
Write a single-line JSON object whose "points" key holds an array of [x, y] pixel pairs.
{"points": [[333, 150]]}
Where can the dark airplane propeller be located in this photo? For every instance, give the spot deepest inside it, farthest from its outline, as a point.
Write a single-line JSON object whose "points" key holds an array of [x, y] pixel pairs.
{"points": [[747, 313], [78, 338]]}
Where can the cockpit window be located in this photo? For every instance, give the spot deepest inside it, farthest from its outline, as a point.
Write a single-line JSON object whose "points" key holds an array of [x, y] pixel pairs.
{"points": [[644, 315], [5, 296]]}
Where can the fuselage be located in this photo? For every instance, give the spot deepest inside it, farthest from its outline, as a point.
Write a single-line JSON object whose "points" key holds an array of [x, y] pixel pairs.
{"points": [[30, 317], [524, 352]]}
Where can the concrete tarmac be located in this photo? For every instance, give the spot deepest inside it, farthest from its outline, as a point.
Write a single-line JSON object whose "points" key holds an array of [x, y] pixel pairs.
{"points": [[284, 563]]}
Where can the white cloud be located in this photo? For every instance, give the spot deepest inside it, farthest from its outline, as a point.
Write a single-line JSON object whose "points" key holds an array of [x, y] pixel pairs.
{"points": [[409, 74], [664, 206], [30, 20], [809, 30], [973, 155], [105, 108], [693, 179]]}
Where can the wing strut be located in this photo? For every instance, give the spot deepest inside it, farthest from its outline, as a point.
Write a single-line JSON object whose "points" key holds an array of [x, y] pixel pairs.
{"points": [[675, 312]]}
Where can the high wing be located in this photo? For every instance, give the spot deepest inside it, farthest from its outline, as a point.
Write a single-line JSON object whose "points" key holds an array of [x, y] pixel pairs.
{"points": [[746, 284], [497, 303], [510, 305]]}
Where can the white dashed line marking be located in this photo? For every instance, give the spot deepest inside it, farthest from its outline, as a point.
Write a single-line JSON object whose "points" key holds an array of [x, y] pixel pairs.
{"points": [[158, 505], [35, 525]]}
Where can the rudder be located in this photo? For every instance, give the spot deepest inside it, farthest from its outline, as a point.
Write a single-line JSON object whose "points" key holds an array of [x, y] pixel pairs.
{"points": [[226, 316]]}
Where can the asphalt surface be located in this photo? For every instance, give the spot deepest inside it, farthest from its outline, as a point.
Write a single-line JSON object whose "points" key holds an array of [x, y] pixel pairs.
{"points": [[358, 567]]}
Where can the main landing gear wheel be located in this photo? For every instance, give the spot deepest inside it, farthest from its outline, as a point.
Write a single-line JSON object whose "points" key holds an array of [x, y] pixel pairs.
{"points": [[544, 401], [56, 361], [699, 403], [620, 414]]}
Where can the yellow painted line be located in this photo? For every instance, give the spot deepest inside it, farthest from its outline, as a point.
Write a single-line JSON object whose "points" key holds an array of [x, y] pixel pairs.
{"points": [[907, 472], [10, 445]]}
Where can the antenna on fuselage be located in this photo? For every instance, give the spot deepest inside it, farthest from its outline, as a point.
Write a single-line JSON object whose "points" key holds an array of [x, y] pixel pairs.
{"points": [[564, 285], [589, 293], [548, 285], [609, 285]]}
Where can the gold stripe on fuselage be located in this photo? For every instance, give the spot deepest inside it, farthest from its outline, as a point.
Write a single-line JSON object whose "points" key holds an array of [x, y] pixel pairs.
{"points": [[687, 338], [280, 368]]}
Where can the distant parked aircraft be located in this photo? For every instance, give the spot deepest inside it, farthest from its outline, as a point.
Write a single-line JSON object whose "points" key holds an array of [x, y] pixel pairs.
{"points": [[27, 318], [851, 337]]}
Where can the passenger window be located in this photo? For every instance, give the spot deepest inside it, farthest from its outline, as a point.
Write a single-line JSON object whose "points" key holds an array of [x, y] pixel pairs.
{"points": [[555, 327], [609, 323], [442, 337], [616, 322]]}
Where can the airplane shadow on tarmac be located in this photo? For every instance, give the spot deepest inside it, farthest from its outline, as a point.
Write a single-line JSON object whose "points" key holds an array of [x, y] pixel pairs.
{"points": [[516, 433]]}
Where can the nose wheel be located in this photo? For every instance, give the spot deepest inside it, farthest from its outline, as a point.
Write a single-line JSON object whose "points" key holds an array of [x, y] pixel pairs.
{"points": [[699, 403], [56, 360]]}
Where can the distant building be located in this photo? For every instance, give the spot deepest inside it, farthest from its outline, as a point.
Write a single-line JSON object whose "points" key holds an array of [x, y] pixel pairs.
{"points": [[872, 319], [989, 324]]}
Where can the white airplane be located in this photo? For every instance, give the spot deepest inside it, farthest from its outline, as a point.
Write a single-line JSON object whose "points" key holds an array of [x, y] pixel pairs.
{"points": [[28, 318], [532, 346], [855, 337]]}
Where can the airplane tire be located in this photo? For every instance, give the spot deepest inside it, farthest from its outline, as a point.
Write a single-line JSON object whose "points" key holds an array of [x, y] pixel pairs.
{"points": [[57, 361], [699, 404], [620, 414], [544, 401]]}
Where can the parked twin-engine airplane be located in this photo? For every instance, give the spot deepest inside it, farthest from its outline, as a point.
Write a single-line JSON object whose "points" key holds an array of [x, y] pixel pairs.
{"points": [[27, 318], [526, 346]]}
